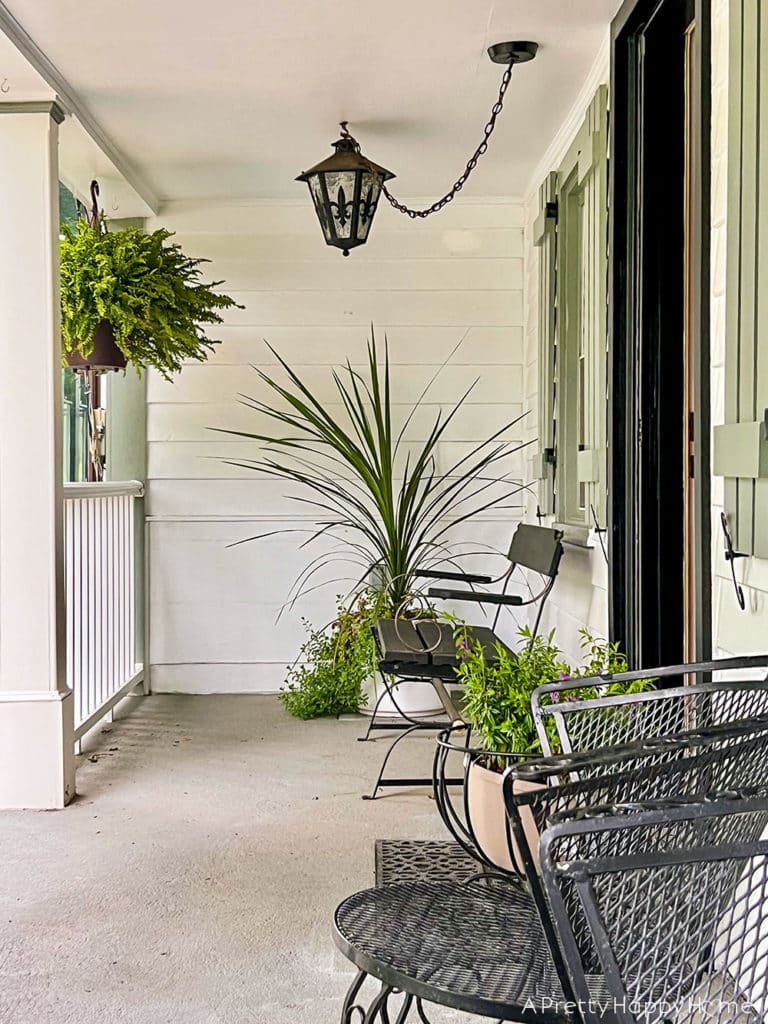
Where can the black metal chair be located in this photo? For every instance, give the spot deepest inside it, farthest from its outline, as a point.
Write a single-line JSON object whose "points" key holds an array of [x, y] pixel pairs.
{"points": [[490, 946], [668, 902], [423, 649]]}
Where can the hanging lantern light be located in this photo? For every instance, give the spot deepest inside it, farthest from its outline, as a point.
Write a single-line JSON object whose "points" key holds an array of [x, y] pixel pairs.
{"points": [[345, 189]]}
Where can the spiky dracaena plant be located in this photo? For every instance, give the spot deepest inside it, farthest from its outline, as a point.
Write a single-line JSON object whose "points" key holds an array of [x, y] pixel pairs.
{"points": [[381, 496], [149, 292]]}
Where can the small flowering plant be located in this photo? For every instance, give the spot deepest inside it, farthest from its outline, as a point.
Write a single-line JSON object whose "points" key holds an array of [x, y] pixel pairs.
{"points": [[498, 690]]}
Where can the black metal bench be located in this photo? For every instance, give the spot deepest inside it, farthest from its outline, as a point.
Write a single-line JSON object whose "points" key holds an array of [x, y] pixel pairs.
{"points": [[686, 697], [424, 649], [491, 946], [668, 902], [585, 728]]}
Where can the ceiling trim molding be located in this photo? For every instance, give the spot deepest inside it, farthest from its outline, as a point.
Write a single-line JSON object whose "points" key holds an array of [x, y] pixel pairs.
{"points": [[50, 107], [599, 74], [72, 105], [301, 202]]}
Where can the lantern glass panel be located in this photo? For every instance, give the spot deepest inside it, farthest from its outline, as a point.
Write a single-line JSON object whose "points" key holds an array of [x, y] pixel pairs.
{"points": [[318, 199], [341, 195], [369, 197]]}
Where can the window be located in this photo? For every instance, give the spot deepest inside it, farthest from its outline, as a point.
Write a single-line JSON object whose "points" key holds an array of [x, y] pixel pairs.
{"points": [[74, 385], [571, 233]]}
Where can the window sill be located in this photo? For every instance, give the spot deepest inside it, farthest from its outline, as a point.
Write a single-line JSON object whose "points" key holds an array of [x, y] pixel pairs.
{"points": [[578, 535]]}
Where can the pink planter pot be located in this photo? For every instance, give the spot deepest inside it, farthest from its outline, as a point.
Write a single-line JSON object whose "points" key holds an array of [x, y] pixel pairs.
{"points": [[488, 817]]}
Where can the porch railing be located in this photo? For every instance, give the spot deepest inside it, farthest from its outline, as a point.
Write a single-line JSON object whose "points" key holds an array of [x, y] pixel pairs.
{"points": [[104, 595]]}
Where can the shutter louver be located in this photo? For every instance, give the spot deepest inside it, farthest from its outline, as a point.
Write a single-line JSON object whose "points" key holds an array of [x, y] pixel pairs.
{"points": [[593, 181]]}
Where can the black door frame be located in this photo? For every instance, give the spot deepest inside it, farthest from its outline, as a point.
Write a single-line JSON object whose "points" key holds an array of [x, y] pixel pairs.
{"points": [[624, 510]]}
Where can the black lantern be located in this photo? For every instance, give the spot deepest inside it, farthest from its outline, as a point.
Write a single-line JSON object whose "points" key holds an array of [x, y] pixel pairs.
{"points": [[345, 189]]}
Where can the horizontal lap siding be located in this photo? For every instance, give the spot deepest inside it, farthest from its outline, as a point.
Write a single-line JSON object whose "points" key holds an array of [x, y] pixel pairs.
{"points": [[448, 290]]}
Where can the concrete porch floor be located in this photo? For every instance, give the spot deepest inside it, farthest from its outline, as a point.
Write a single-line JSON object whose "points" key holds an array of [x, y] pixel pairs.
{"points": [[194, 878]]}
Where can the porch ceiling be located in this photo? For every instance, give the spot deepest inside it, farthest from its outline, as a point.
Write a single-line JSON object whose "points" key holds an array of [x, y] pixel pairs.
{"points": [[235, 98]]}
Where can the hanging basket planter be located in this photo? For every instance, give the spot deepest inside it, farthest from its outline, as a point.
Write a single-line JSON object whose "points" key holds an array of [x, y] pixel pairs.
{"points": [[139, 287], [105, 354]]}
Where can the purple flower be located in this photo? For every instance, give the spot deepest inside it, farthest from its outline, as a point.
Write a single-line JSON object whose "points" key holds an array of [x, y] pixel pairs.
{"points": [[564, 675]]}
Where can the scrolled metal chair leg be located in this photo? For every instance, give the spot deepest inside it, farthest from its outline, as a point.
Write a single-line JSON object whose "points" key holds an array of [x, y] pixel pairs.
{"points": [[405, 1009], [378, 1008], [351, 1007], [421, 1012]]}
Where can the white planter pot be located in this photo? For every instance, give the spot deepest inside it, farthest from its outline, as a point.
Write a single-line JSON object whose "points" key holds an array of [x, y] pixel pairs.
{"points": [[417, 699], [488, 817]]}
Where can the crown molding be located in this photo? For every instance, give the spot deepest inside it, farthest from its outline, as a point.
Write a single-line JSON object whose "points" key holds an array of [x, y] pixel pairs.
{"points": [[264, 202], [598, 75], [50, 107]]}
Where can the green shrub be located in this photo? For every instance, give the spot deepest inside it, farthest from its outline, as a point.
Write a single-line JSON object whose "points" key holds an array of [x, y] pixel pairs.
{"points": [[149, 292], [335, 662]]}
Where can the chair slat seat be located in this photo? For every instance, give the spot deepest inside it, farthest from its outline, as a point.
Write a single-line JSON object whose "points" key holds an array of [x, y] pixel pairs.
{"points": [[427, 648]]}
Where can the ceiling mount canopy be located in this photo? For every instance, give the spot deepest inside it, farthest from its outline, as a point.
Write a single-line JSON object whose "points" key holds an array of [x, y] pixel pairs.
{"points": [[346, 187]]}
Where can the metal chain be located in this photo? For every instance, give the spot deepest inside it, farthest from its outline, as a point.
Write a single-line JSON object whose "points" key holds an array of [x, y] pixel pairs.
{"points": [[458, 185]]}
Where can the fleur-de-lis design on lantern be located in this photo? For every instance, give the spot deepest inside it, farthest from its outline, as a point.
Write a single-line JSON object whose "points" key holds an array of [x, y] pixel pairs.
{"points": [[368, 206], [342, 207]]}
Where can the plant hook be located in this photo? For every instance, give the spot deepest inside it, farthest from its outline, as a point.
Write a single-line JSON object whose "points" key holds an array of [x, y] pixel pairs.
{"points": [[94, 217]]}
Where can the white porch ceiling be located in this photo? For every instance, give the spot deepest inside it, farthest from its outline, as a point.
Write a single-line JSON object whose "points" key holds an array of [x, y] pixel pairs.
{"points": [[234, 98]]}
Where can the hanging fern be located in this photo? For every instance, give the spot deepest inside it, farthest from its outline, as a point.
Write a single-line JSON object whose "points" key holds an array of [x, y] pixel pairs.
{"points": [[149, 292]]}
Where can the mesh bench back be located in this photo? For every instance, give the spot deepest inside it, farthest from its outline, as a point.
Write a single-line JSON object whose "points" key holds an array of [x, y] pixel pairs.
{"points": [[723, 759], [609, 721], [675, 901]]}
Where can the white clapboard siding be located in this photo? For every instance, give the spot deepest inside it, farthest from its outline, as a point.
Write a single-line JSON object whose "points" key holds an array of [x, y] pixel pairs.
{"points": [[446, 274], [221, 610], [418, 242], [448, 294], [195, 421], [248, 497], [467, 309], [233, 460], [263, 217], [407, 346], [216, 383]]}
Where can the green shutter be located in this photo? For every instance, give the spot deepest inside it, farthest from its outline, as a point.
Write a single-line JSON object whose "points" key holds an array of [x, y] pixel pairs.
{"points": [[741, 444], [545, 239], [580, 372], [593, 181]]}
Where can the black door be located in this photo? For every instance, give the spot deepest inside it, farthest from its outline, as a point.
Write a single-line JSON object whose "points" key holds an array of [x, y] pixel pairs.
{"points": [[659, 314]]}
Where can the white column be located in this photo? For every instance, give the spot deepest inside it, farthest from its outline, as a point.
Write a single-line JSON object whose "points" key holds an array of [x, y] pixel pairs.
{"points": [[36, 709]]}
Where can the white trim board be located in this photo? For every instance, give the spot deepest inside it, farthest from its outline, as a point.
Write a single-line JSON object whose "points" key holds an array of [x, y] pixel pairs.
{"points": [[599, 74]]}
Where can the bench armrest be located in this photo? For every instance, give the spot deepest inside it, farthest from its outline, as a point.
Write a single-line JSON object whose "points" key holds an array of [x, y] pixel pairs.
{"points": [[474, 596], [462, 577]]}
